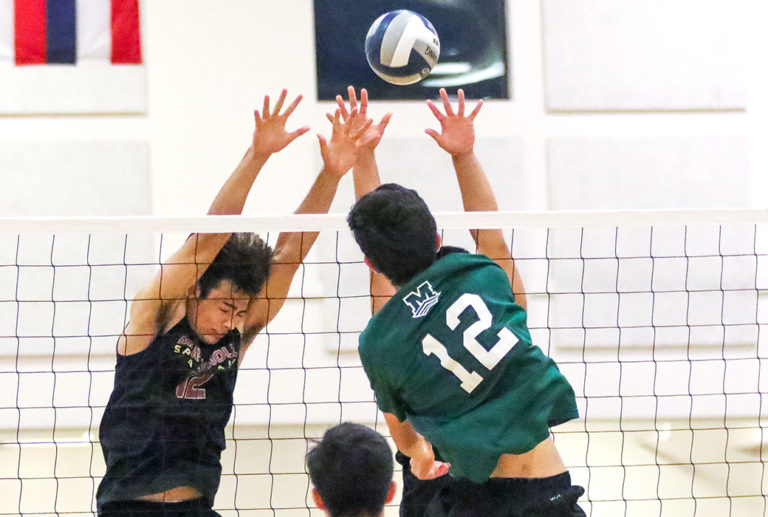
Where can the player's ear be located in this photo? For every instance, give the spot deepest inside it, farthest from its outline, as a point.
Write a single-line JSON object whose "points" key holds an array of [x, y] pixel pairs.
{"points": [[194, 291], [439, 241], [368, 263], [318, 501], [391, 493]]}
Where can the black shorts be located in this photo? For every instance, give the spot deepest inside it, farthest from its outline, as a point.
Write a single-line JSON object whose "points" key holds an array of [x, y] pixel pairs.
{"points": [[192, 508], [508, 497], [418, 493]]}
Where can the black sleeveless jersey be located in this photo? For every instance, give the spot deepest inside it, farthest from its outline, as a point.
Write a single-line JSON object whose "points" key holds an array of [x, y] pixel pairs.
{"points": [[164, 423]]}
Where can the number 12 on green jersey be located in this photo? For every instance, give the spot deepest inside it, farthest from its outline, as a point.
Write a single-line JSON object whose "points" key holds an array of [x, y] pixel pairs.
{"points": [[488, 358]]}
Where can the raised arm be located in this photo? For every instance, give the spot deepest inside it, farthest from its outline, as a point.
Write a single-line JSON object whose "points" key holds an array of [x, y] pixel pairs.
{"points": [[269, 137], [457, 138], [365, 171], [365, 174], [338, 156], [366, 179], [157, 304]]}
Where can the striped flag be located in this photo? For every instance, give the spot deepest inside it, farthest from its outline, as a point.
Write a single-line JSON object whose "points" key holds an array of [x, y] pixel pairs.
{"points": [[70, 32], [52, 52]]}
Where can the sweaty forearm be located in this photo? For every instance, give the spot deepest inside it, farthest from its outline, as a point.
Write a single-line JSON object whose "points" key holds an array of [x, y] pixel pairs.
{"points": [[318, 199], [232, 195], [407, 440], [366, 179], [476, 192], [365, 174], [477, 195], [294, 246], [417, 447]]}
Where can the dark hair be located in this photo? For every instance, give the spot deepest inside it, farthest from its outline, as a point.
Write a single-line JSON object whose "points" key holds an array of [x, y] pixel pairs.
{"points": [[351, 469], [395, 230], [245, 260]]}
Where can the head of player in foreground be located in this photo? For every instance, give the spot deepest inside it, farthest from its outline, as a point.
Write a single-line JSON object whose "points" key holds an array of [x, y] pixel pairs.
{"points": [[351, 469]]}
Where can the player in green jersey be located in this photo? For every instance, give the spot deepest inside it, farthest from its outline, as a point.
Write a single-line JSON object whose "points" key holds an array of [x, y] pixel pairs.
{"points": [[449, 355]]}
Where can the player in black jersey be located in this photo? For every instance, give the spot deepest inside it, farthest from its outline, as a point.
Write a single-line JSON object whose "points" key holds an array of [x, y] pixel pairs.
{"points": [[163, 429]]}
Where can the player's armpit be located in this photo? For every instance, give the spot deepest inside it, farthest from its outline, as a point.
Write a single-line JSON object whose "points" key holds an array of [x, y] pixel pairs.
{"points": [[149, 317], [157, 303], [500, 254], [255, 320], [249, 334], [133, 340], [269, 301]]}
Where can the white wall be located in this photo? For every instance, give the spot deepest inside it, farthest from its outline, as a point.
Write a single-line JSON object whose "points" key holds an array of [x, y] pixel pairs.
{"points": [[210, 63]]}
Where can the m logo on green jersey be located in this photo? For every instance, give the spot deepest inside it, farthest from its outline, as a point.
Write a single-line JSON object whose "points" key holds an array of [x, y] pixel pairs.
{"points": [[421, 300]]}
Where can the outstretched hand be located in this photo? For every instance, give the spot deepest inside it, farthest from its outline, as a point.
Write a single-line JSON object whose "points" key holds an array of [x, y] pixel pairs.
{"points": [[340, 153], [372, 136], [457, 136], [270, 135]]}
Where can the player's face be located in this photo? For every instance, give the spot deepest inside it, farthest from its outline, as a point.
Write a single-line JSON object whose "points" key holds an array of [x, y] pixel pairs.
{"points": [[222, 310]]}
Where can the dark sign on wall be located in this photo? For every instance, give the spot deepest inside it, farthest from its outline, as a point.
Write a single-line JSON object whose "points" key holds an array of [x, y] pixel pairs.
{"points": [[473, 48]]}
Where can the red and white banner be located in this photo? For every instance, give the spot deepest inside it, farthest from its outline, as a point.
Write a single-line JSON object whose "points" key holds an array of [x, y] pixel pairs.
{"points": [[50, 52], [69, 31]]}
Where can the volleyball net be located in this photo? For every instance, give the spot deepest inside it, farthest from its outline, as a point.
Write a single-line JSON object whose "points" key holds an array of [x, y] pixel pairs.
{"points": [[658, 320]]}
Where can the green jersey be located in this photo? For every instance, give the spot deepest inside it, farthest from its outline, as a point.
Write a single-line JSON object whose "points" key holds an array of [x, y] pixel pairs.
{"points": [[451, 353]]}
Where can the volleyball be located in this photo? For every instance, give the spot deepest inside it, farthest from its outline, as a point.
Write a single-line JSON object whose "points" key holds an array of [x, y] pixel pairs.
{"points": [[402, 47]]}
